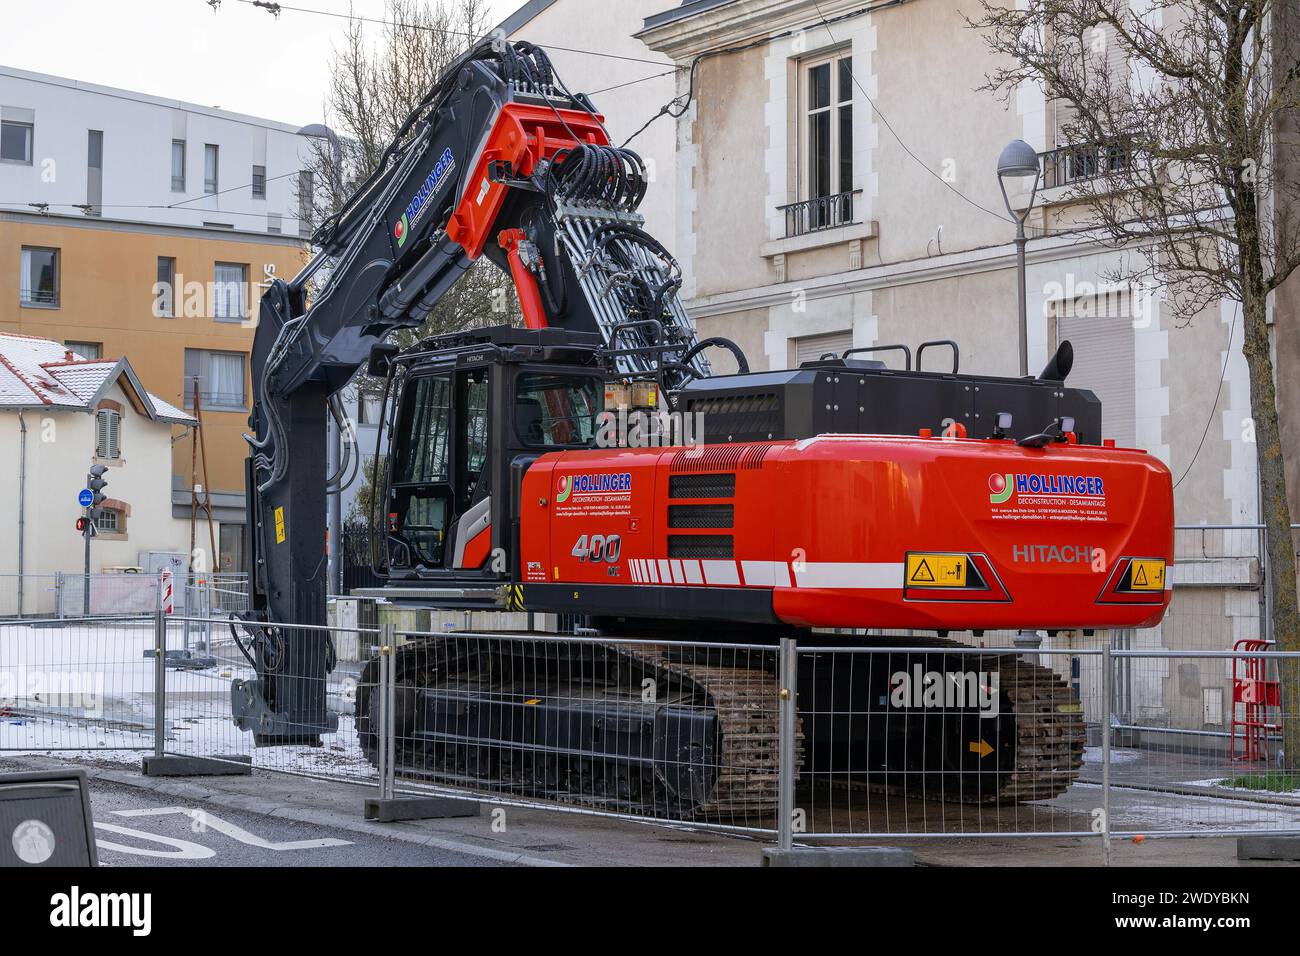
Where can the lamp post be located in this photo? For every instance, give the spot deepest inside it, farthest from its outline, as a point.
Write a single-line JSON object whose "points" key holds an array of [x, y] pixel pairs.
{"points": [[1019, 161]]}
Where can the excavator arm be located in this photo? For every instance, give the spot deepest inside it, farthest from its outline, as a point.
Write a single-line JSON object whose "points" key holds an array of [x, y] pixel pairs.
{"points": [[499, 160]]}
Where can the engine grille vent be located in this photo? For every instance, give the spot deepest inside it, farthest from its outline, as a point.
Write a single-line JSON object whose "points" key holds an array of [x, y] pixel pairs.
{"points": [[700, 546], [701, 516], [701, 486], [719, 458]]}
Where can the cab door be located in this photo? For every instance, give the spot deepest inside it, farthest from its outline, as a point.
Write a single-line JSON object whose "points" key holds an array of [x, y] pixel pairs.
{"points": [[421, 492]]}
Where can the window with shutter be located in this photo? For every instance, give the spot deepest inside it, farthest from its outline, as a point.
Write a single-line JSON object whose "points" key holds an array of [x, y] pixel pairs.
{"points": [[1101, 330], [810, 348], [108, 434]]}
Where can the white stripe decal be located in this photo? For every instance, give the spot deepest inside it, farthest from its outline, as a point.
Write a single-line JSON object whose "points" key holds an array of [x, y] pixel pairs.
{"points": [[665, 573], [845, 574], [720, 572], [650, 566], [677, 572], [766, 574], [692, 571], [636, 572]]}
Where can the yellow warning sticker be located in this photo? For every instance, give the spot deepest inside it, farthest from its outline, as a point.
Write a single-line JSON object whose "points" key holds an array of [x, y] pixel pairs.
{"points": [[936, 570], [279, 525], [1147, 574]]}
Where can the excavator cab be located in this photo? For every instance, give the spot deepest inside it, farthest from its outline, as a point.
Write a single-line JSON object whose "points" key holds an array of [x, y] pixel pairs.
{"points": [[470, 412]]}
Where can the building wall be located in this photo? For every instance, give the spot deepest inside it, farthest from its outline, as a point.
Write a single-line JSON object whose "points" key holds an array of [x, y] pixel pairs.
{"points": [[60, 450], [106, 294], [920, 260], [138, 132]]}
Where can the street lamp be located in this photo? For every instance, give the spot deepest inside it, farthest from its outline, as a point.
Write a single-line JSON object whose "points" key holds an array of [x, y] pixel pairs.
{"points": [[1019, 161]]}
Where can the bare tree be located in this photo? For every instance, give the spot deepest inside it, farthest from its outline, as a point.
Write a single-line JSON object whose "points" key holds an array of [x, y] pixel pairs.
{"points": [[1188, 156], [376, 82], [378, 77]]}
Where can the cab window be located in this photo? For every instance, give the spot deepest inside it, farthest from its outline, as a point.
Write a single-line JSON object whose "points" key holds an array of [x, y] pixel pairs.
{"points": [[557, 410]]}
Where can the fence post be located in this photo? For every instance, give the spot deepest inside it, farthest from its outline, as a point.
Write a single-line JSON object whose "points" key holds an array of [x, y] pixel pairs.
{"points": [[788, 669], [159, 681], [1106, 690], [387, 701]]}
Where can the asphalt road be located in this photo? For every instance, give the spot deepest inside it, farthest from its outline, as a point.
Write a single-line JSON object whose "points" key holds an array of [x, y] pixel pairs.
{"points": [[139, 829]]}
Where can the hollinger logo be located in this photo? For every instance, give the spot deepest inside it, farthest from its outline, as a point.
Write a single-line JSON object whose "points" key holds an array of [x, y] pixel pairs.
{"points": [[565, 489], [999, 488], [1003, 486]]}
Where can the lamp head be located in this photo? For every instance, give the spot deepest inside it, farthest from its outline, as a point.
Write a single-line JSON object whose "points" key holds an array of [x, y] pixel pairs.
{"points": [[1018, 161]]}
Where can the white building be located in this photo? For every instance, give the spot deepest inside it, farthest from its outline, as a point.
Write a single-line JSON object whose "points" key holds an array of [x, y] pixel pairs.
{"points": [[61, 414], [172, 162]]}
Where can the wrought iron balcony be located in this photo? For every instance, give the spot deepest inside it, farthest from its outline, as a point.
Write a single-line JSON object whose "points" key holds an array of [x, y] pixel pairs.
{"points": [[822, 212], [1072, 164]]}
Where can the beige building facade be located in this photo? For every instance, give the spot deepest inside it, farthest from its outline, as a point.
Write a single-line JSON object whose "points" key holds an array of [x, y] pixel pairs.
{"points": [[838, 189]]}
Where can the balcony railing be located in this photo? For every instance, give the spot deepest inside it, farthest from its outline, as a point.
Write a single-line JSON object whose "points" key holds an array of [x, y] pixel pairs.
{"points": [[822, 212], [1072, 164], [38, 296]]}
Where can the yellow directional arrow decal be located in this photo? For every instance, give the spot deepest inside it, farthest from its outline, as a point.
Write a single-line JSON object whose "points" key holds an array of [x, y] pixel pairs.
{"points": [[980, 747]]}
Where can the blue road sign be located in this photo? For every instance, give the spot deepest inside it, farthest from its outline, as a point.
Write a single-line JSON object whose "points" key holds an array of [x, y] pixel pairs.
{"points": [[84, 497]]}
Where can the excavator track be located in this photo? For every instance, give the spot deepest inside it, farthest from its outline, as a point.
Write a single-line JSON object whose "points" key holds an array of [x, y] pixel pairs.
{"points": [[746, 701], [1049, 733], [731, 777]]}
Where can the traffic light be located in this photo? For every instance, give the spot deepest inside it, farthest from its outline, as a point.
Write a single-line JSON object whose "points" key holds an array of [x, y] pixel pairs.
{"points": [[81, 525], [96, 482]]}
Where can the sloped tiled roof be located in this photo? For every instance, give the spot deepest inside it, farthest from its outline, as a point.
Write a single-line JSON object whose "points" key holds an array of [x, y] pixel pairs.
{"points": [[41, 373]]}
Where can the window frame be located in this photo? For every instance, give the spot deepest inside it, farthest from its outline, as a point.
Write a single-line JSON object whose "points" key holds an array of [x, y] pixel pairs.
{"points": [[218, 285], [201, 373], [178, 182], [30, 139], [169, 311], [108, 447], [27, 303], [119, 521], [211, 185], [74, 345], [259, 191], [803, 159]]}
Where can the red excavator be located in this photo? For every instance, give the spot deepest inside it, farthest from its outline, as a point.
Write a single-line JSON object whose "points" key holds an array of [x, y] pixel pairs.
{"points": [[592, 464]]}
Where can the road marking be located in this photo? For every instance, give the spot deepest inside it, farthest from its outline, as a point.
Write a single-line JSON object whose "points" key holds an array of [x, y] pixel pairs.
{"points": [[211, 821], [184, 849]]}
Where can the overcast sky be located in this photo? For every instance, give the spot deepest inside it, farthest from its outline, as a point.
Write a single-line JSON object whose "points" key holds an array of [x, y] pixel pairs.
{"points": [[238, 58]]}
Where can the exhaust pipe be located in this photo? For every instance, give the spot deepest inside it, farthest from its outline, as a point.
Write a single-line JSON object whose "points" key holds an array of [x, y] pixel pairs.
{"points": [[1059, 367]]}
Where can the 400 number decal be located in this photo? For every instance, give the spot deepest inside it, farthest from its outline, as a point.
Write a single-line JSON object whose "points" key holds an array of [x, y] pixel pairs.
{"points": [[598, 548]]}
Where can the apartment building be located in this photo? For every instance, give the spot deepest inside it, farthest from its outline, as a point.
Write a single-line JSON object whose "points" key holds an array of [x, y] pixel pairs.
{"points": [[134, 225]]}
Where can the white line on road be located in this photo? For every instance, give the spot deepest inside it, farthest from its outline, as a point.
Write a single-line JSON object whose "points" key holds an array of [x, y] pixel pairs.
{"points": [[184, 849], [204, 819]]}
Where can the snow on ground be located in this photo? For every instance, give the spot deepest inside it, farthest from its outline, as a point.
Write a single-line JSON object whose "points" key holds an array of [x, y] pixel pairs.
{"points": [[1220, 783], [87, 691]]}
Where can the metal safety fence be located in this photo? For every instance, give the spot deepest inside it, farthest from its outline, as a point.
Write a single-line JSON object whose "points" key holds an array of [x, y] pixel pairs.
{"points": [[71, 594], [866, 738]]}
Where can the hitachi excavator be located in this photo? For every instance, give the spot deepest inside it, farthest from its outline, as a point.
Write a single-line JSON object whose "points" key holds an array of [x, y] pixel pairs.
{"points": [[873, 498]]}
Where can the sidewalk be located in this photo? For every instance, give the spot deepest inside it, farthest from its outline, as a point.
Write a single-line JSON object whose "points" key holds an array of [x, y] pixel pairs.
{"points": [[557, 838]]}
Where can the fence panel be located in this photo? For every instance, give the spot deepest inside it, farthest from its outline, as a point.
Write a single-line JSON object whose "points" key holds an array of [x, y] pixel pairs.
{"points": [[663, 731], [199, 715], [919, 739], [1188, 767], [81, 688]]}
